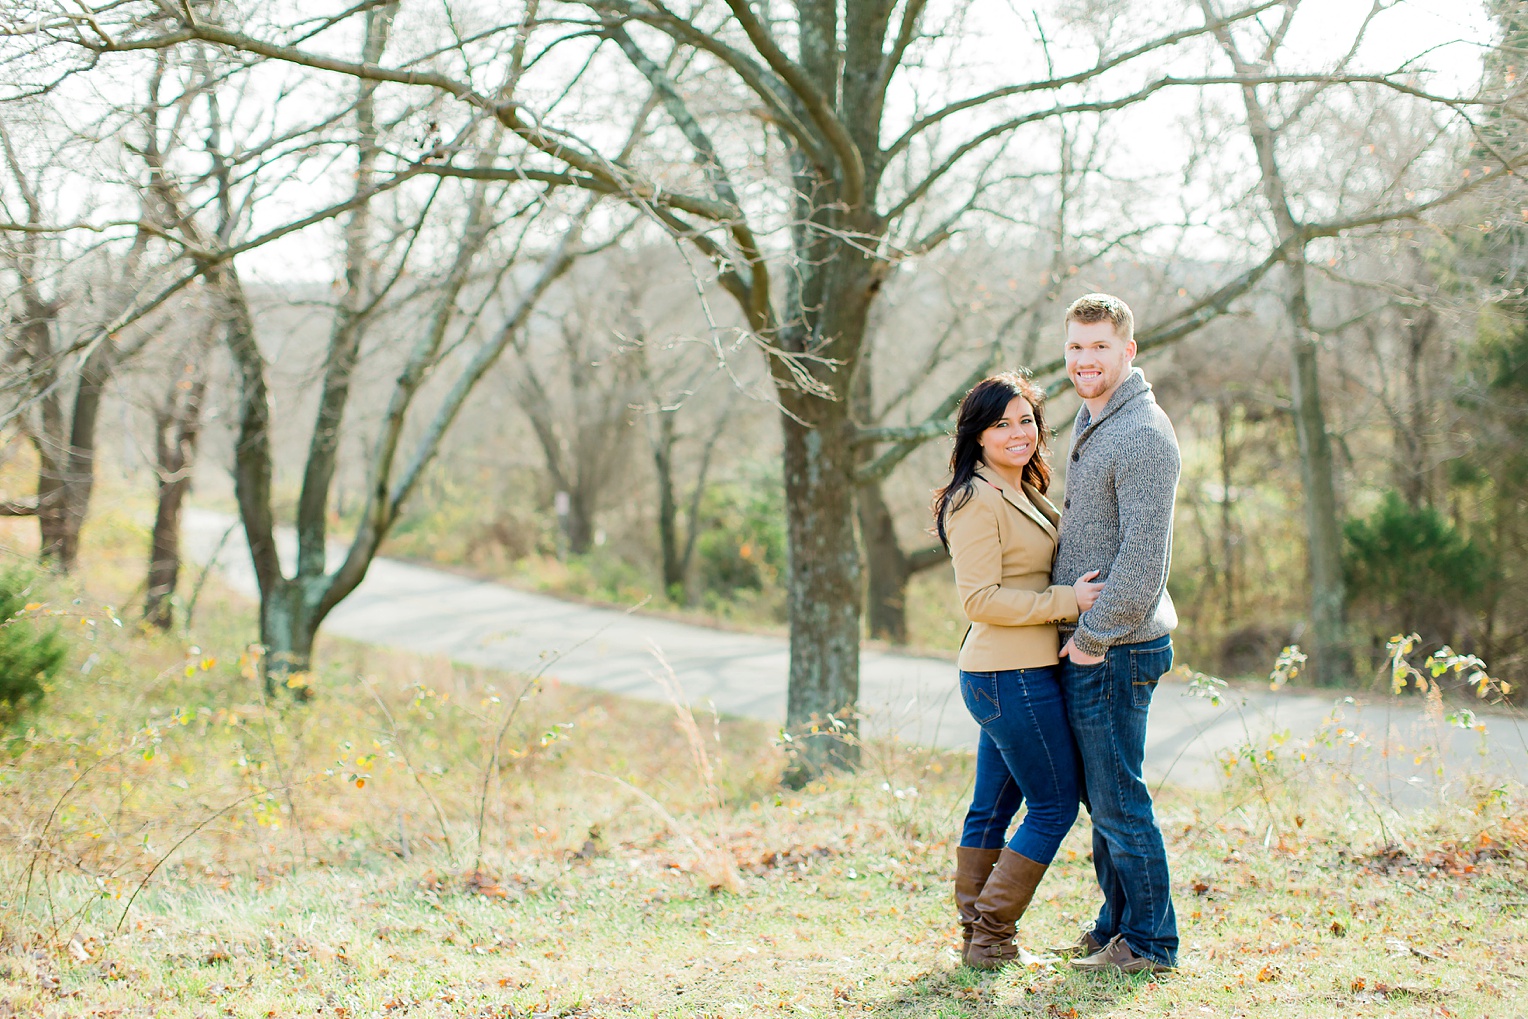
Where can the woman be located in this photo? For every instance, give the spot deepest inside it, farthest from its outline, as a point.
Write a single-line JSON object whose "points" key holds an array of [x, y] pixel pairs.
{"points": [[1000, 530]]}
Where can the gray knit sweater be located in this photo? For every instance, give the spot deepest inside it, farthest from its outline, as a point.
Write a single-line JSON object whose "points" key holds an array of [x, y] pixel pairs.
{"points": [[1117, 517]]}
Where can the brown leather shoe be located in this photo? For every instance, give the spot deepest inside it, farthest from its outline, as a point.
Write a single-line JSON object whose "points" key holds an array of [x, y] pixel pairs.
{"points": [[1119, 956], [1083, 947], [998, 909], [972, 868]]}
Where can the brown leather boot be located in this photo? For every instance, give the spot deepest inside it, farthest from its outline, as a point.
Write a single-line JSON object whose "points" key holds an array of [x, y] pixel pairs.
{"points": [[1002, 901], [972, 867]]}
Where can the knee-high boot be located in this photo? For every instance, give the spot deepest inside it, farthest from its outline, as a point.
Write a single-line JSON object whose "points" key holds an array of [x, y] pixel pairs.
{"points": [[1003, 899], [972, 868]]}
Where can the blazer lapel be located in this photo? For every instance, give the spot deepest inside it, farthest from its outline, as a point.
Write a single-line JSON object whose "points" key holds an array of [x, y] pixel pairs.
{"points": [[1044, 507], [1021, 502]]}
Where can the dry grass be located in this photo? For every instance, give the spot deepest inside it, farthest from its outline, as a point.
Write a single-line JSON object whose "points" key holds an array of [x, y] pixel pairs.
{"points": [[427, 840]]}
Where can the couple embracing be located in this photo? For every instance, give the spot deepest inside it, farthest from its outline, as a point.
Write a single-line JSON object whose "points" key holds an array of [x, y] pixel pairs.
{"points": [[1070, 622]]}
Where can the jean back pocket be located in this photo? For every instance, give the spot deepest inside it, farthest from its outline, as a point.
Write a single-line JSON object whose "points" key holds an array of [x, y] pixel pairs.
{"points": [[979, 691]]}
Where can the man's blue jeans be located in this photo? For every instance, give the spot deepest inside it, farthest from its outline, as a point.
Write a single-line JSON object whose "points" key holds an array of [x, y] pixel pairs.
{"points": [[1025, 754], [1107, 704]]}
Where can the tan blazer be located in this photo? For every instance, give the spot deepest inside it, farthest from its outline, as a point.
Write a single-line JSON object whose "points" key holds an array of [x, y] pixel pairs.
{"points": [[1002, 543]]}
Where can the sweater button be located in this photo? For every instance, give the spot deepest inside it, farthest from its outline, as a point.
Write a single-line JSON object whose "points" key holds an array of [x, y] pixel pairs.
{"points": [[1075, 456], [1066, 504]]}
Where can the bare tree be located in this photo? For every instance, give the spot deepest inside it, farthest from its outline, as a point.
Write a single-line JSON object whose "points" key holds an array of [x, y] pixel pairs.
{"points": [[1275, 116], [803, 205], [576, 386], [177, 430], [821, 79], [672, 372], [61, 364]]}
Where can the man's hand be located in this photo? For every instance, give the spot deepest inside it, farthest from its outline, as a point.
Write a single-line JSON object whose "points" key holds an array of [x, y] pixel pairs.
{"points": [[1079, 657]]}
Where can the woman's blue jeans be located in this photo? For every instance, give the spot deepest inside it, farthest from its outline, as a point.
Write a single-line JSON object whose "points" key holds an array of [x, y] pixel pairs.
{"points": [[1025, 756]]}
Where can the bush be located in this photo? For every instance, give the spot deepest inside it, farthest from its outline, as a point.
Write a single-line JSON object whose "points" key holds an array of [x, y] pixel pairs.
{"points": [[1413, 568], [742, 545], [30, 654]]}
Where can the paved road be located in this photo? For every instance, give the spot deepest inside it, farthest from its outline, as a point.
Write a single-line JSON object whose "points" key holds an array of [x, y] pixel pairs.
{"points": [[489, 624]]}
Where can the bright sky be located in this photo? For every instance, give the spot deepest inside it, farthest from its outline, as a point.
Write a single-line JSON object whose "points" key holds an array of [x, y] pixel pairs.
{"points": [[1445, 37]]}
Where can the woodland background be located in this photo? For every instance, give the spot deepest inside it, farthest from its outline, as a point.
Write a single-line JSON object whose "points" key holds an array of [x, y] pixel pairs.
{"points": [[669, 305], [643, 304]]}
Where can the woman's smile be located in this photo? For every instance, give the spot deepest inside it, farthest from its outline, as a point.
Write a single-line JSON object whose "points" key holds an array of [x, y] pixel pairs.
{"points": [[1008, 444]]}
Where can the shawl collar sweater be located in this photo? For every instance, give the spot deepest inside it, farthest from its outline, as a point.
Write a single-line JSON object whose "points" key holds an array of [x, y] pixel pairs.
{"points": [[1117, 518]]}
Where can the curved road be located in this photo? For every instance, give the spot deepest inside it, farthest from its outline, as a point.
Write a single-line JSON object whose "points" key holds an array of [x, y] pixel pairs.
{"points": [[490, 624]]}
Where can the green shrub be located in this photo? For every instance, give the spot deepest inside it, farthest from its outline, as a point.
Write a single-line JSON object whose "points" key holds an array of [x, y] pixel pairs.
{"points": [[1413, 568], [30, 653], [742, 545]]}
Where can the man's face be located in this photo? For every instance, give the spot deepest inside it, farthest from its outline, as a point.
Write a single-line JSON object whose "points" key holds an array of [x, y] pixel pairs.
{"points": [[1096, 358]]}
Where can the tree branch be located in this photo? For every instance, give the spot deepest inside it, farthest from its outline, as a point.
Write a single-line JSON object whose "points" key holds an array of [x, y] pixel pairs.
{"points": [[926, 559], [1169, 81], [779, 99], [850, 161], [941, 421], [905, 32], [1172, 39]]}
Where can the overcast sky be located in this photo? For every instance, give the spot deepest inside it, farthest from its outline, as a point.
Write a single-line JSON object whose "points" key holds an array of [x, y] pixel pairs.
{"points": [[1445, 37]]}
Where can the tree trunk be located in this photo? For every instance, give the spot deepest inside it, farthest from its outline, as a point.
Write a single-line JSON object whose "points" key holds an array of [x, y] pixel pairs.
{"points": [[67, 476], [1330, 661], [1329, 654], [662, 445], [1413, 473], [177, 426], [581, 518], [289, 622], [823, 589], [355, 305], [164, 555], [47, 432], [52, 492], [1230, 575], [888, 569]]}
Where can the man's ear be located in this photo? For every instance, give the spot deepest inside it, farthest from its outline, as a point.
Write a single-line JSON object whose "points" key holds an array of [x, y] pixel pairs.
{"points": [[1130, 349]]}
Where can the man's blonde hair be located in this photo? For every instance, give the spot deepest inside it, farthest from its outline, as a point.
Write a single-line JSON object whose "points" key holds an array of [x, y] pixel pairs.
{"points": [[1090, 308]]}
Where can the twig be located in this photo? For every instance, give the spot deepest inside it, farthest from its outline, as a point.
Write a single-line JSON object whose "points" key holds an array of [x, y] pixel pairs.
{"points": [[183, 840], [196, 590], [440, 817], [492, 765]]}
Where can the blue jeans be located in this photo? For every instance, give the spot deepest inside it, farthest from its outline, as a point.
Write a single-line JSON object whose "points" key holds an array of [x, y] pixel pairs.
{"points": [[1107, 705], [1025, 755]]}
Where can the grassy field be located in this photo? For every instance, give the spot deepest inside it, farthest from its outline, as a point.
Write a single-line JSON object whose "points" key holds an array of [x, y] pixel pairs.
{"points": [[425, 840]]}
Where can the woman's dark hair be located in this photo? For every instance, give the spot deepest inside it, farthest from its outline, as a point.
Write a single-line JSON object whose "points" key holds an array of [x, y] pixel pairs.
{"points": [[980, 409]]}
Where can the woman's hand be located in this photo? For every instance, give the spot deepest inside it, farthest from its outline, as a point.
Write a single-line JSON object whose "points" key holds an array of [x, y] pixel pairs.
{"points": [[1087, 590]]}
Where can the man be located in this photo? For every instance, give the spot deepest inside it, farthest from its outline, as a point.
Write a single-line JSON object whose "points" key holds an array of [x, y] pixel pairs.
{"points": [[1117, 517]]}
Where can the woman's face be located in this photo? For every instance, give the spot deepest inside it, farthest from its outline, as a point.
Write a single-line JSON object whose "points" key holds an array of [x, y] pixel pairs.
{"points": [[1012, 441]]}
